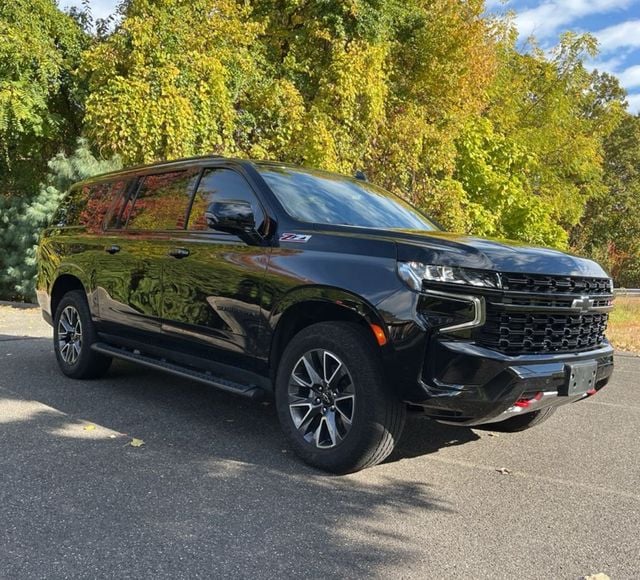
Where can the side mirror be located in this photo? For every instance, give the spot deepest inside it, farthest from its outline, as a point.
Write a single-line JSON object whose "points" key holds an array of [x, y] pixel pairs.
{"points": [[232, 217]]}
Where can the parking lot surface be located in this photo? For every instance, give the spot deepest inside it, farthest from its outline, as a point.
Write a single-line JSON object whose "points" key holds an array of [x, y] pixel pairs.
{"points": [[214, 491]]}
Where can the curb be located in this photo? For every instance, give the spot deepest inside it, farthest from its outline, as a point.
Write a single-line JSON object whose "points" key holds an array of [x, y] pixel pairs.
{"points": [[24, 305], [626, 354]]}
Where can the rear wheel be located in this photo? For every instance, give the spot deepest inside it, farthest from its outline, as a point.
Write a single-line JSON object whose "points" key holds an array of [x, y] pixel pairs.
{"points": [[333, 403], [73, 335], [521, 422]]}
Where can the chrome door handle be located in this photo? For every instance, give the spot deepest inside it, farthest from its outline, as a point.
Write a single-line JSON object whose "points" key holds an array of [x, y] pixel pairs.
{"points": [[179, 253]]}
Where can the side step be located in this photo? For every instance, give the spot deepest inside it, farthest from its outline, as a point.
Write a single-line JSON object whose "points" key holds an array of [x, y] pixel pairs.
{"points": [[250, 391]]}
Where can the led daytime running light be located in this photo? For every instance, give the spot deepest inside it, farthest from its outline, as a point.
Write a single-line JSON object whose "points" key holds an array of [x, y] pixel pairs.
{"points": [[415, 273]]}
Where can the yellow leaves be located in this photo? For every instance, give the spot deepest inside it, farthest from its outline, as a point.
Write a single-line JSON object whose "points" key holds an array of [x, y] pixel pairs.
{"points": [[136, 442], [168, 86]]}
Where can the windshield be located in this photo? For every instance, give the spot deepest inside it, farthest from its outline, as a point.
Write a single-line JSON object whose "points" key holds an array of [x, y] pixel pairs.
{"points": [[328, 198]]}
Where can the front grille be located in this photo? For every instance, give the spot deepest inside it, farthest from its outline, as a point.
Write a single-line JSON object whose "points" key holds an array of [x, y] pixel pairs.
{"points": [[517, 333], [556, 284], [534, 314]]}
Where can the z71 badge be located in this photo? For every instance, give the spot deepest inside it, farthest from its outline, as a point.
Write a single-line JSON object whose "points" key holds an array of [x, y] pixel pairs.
{"points": [[300, 238]]}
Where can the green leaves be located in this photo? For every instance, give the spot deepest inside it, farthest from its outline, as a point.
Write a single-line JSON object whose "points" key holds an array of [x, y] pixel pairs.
{"points": [[431, 99]]}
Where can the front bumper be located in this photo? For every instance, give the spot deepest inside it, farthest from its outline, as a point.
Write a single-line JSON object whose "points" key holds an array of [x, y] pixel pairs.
{"points": [[467, 384]]}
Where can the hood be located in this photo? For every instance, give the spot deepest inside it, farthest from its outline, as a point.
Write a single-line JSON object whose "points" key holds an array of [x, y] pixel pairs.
{"points": [[499, 255], [447, 249]]}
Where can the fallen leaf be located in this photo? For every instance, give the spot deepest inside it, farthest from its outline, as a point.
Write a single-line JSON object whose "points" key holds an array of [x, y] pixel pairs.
{"points": [[89, 427], [493, 435], [136, 442], [504, 471]]}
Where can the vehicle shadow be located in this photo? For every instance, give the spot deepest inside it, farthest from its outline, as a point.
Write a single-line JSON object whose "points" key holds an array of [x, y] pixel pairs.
{"points": [[422, 436], [214, 483]]}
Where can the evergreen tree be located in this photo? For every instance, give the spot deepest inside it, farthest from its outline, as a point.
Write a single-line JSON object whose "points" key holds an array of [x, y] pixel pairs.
{"points": [[21, 219]]}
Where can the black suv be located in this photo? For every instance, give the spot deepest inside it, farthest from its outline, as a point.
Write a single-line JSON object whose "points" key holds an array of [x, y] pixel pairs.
{"points": [[326, 292]]}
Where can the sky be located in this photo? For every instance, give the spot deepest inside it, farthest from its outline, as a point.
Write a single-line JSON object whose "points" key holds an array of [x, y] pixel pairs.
{"points": [[615, 23]]}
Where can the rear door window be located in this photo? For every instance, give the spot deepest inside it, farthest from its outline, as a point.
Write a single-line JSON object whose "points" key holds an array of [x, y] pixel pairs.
{"points": [[220, 184], [161, 201]]}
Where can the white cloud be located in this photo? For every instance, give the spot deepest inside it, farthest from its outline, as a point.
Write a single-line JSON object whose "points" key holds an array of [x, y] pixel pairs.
{"points": [[544, 20], [634, 102], [622, 35], [490, 5], [630, 77], [609, 65]]}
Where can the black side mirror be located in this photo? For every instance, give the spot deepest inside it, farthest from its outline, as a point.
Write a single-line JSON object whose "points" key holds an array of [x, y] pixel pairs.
{"points": [[233, 217]]}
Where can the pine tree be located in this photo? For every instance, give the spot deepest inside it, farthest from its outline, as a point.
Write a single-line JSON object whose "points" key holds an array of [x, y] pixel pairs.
{"points": [[21, 219]]}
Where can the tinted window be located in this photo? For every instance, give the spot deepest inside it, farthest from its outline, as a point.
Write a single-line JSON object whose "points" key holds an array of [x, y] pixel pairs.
{"points": [[100, 199], [221, 185], [161, 201], [88, 205], [327, 198], [70, 207]]}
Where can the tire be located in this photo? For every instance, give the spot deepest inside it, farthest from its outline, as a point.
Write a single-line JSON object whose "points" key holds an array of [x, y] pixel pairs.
{"points": [[73, 335], [521, 422], [362, 419]]}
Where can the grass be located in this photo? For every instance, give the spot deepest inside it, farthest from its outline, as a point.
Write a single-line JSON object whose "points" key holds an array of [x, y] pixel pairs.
{"points": [[624, 324]]}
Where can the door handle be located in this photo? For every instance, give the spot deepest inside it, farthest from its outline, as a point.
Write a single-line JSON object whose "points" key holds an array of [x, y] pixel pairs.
{"points": [[112, 249], [179, 253]]}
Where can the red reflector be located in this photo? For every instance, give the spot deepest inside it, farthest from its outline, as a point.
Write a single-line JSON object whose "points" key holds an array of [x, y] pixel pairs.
{"points": [[591, 392], [379, 334], [524, 403]]}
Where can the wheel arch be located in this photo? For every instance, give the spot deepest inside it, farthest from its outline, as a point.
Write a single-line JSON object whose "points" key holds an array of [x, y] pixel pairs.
{"points": [[63, 284], [310, 305]]}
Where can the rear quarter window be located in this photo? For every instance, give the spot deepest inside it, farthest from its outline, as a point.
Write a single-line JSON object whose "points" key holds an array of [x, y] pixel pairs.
{"points": [[88, 205], [100, 200]]}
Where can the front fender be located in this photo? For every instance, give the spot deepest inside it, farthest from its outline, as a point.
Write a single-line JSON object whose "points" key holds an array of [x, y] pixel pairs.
{"points": [[325, 294]]}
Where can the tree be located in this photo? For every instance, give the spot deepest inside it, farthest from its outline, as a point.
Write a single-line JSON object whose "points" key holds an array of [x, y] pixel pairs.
{"points": [[610, 230], [384, 86], [40, 100], [21, 219], [534, 158], [166, 83]]}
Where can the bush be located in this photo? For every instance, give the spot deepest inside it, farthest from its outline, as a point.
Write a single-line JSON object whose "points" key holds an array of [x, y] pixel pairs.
{"points": [[22, 218]]}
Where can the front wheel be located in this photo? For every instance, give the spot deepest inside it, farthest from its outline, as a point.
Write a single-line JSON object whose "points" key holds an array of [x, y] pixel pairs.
{"points": [[333, 402]]}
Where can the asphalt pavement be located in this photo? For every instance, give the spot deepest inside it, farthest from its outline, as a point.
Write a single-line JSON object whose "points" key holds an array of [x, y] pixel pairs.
{"points": [[214, 491]]}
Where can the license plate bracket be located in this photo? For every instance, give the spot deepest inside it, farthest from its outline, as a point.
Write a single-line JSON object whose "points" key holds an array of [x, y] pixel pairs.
{"points": [[579, 378]]}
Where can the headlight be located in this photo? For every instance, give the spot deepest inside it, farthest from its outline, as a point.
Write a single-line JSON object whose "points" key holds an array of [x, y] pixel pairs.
{"points": [[415, 273]]}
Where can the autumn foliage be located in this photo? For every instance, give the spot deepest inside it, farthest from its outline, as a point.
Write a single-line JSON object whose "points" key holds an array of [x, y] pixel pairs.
{"points": [[433, 100]]}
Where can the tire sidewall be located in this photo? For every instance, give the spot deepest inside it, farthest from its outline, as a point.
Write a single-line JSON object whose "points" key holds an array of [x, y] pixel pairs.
{"points": [[367, 427], [78, 301]]}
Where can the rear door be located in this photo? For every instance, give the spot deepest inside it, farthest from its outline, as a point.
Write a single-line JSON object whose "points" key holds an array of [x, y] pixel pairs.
{"points": [[135, 246], [213, 282]]}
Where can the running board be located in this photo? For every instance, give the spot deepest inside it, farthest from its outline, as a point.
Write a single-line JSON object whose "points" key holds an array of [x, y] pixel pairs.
{"points": [[250, 391]]}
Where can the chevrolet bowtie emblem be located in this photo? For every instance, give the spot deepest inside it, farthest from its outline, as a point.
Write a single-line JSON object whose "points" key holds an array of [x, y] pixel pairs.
{"points": [[582, 303]]}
